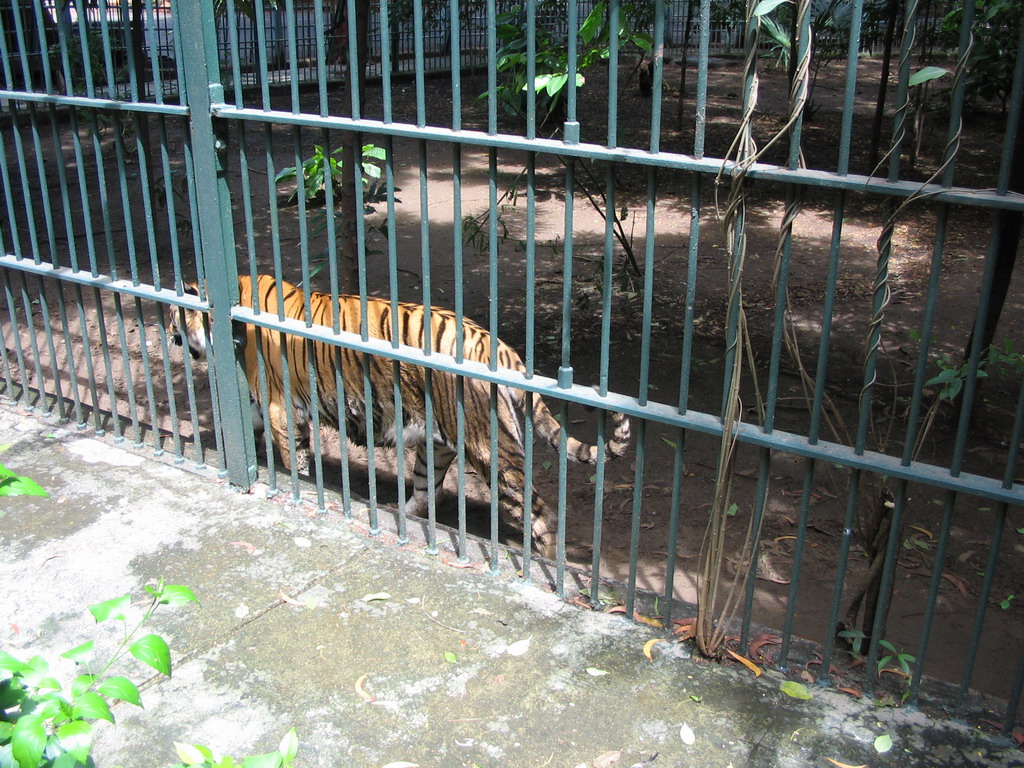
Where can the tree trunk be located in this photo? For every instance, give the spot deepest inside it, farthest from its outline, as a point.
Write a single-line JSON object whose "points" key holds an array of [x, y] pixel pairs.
{"points": [[687, 30], [1008, 225], [350, 217], [892, 17]]}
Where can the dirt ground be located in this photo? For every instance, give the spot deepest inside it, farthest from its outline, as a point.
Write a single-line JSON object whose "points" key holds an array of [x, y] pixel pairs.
{"points": [[974, 522]]}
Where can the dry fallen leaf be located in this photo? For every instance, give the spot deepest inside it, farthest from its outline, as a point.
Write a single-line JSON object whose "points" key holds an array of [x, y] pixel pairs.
{"points": [[250, 548], [649, 645], [402, 764], [685, 629], [759, 642], [956, 581], [687, 735], [290, 600], [745, 662], [607, 759], [844, 765], [647, 620], [361, 691], [518, 648]]}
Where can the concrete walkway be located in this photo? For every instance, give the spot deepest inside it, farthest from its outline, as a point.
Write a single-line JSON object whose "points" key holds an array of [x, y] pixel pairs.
{"points": [[379, 655]]}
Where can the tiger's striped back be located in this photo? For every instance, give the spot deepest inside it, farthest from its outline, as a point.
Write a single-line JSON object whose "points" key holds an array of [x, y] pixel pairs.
{"points": [[302, 358]]}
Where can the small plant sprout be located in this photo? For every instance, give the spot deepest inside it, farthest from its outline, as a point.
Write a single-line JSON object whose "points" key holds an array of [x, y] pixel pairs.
{"points": [[900, 659], [205, 757], [49, 722]]}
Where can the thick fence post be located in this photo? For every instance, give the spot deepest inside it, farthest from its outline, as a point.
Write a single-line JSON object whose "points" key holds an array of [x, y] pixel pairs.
{"points": [[197, 30]]}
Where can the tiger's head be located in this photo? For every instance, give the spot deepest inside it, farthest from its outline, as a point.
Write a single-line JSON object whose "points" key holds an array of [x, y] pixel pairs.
{"points": [[194, 331]]}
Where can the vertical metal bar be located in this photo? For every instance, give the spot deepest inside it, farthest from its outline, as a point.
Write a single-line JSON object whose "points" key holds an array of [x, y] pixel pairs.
{"points": [[396, 325], [216, 227], [460, 327], [492, 72], [613, 81], [386, 65], [657, 74], [991, 566], [885, 585]]}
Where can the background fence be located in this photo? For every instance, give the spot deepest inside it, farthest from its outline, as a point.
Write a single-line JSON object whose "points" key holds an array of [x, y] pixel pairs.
{"points": [[237, 34], [805, 303]]}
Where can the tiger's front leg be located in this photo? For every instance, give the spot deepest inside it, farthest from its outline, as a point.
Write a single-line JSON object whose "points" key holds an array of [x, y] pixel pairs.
{"points": [[419, 504], [279, 431]]}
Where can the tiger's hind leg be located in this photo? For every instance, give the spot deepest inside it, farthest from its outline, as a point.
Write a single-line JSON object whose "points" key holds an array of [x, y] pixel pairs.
{"points": [[419, 504], [511, 503]]}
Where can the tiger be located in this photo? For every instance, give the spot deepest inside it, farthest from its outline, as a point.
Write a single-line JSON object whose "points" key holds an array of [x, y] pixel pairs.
{"points": [[322, 359]]}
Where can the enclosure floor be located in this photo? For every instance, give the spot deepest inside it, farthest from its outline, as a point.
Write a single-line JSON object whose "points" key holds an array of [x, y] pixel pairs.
{"points": [[380, 654]]}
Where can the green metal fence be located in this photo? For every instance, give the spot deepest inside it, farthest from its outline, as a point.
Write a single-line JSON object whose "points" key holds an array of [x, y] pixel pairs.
{"points": [[795, 302]]}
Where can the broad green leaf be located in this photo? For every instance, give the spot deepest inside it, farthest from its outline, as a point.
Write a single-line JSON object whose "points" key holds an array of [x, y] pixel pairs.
{"points": [[78, 651], [66, 760], [11, 664], [450, 657], [28, 740], [92, 706], [188, 754], [21, 486], [540, 82], [556, 84], [116, 609], [5, 447], [175, 594], [795, 689], [81, 684], [270, 760], [643, 41], [883, 743], [49, 706], [76, 738], [767, 6], [592, 24], [120, 688], [153, 650], [926, 74], [40, 680], [289, 746]]}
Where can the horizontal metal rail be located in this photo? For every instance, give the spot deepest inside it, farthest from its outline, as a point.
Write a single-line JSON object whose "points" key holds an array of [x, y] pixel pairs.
{"points": [[981, 198], [85, 102], [123, 287], [835, 453]]}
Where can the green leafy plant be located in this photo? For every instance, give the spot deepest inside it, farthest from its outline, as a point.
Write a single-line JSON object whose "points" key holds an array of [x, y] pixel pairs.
{"points": [[320, 166], [900, 659], [13, 484], [552, 54], [199, 755], [315, 171], [46, 722], [989, 75]]}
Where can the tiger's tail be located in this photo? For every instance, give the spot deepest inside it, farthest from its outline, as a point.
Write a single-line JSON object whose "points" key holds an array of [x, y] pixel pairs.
{"points": [[549, 428]]}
